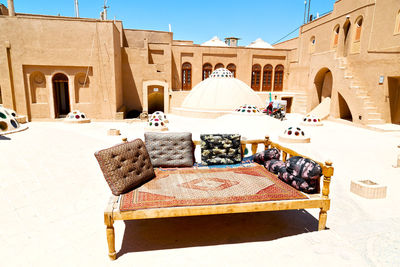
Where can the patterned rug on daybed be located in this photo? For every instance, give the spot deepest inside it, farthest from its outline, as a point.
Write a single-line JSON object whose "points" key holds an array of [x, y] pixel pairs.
{"points": [[208, 186]]}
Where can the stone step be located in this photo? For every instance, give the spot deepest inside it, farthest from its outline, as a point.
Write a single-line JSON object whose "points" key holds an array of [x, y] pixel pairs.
{"points": [[374, 115], [371, 108], [361, 93], [375, 121], [342, 67], [348, 77], [369, 105], [354, 87]]}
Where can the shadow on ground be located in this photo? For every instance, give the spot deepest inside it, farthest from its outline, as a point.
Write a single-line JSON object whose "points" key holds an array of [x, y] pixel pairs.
{"points": [[4, 137], [169, 233]]}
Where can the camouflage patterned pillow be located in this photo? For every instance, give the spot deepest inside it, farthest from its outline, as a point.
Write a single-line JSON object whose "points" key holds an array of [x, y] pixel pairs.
{"points": [[220, 149]]}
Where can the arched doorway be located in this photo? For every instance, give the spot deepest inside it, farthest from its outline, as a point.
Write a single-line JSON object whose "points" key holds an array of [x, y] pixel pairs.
{"points": [[186, 76], [344, 110], [394, 99], [219, 66], [61, 95], [155, 98], [232, 68], [267, 78], [207, 69], [255, 77], [323, 86], [278, 78]]}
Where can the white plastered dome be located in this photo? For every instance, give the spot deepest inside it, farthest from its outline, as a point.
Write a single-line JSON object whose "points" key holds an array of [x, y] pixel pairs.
{"points": [[215, 41], [8, 121], [221, 92], [294, 134], [76, 116]]}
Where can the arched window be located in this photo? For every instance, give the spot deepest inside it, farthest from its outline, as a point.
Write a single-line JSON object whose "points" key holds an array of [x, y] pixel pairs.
{"points": [[359, 22], [219, 66], [267, 78], [207, 69], [397, 25], [186, 76], [312, 44], [278, 79], [336, 35], [232, 68], [255, 77]]}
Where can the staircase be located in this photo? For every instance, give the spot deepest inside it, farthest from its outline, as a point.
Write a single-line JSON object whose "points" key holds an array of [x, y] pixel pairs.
{"points": [[369, 109], [300, 103]]}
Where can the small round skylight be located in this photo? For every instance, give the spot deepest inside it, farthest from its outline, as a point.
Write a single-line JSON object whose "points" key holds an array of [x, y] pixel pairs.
{"points": [[221, 73]]}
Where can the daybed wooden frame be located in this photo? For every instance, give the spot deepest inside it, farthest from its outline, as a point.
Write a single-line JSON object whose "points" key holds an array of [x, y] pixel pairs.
{"points": [[320, 200]]}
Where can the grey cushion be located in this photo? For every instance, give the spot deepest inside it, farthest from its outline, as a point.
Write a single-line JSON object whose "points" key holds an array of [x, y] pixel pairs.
{"points": [[125, 166], [220, 149], [170, 149]]}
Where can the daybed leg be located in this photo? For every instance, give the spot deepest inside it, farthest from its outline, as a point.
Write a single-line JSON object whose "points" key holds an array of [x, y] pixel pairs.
{"points": [[110, 237], [322, 219]]}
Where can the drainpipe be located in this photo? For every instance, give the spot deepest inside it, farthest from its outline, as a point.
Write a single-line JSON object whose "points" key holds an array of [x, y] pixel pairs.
{"points": [[11, 11], [10, 73]]}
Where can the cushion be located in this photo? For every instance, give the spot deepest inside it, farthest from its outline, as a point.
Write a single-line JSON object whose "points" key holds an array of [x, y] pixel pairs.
{"points": [[125, 166], [220, 149], [266, 155], [304, 168], [309, 186], [275, 166], [302, 173], [170, 149]]}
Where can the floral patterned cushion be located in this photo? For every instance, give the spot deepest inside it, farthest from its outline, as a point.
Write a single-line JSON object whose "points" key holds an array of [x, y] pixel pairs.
{"points": [[220, 149], [301, 173], [275, 166], [267, 155]]}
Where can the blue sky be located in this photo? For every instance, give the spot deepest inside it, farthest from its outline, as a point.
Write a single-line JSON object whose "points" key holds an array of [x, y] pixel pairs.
{"points": [[193, 20]]}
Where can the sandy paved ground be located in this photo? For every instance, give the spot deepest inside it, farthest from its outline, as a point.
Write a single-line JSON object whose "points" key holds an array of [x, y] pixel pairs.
{"points": [[52, 196]]}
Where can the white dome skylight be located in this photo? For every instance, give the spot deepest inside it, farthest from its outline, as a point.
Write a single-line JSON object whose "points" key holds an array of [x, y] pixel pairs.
{"points": [[8, 121], [221, 73]]}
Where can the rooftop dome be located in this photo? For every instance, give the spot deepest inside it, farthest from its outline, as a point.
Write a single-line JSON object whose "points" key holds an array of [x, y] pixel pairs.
{"points": [[215, 41], [260, 43], [220, 93]]}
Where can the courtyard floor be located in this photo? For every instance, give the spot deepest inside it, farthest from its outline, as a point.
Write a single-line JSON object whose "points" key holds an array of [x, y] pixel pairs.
{"points": [[53, 194]]}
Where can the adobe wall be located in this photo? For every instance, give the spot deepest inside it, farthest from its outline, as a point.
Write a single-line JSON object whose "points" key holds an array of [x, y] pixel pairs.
{"points": [[356, 65], [41, 46], [145, 57]]}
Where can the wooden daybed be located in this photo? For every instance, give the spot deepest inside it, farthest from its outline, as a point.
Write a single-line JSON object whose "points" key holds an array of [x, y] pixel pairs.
{"points": [[320, 200]]}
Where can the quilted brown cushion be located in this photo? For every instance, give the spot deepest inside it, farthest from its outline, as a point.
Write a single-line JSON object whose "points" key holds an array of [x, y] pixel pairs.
{"points": [[170, 149], [125, 166]]}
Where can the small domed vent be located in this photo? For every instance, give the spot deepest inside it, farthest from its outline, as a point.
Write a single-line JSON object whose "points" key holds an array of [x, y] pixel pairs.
{"points": [[8, 121], [157, 122], [311, 120], [77, 117], [294, 134]]}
